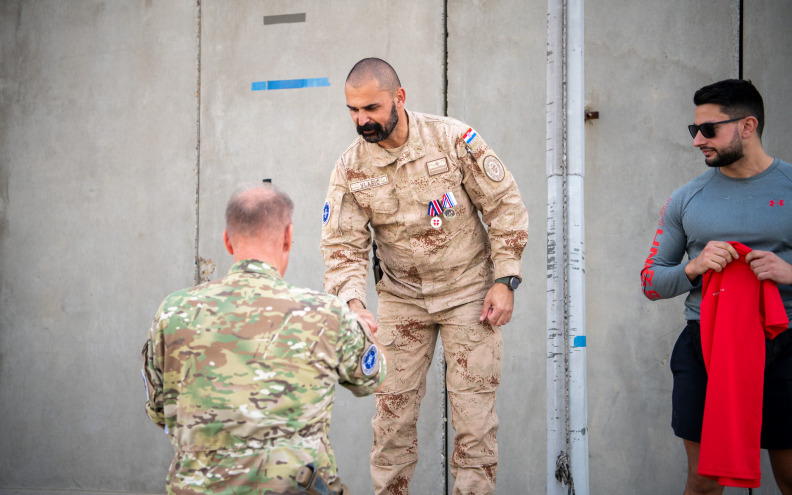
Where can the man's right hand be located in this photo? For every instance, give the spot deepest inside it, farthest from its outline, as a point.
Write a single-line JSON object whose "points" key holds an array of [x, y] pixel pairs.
{"points": [[357, 306], [715, 256]]}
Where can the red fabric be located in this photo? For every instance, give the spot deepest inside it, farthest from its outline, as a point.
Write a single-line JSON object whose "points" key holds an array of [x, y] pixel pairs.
{"points": [[737, 312]]}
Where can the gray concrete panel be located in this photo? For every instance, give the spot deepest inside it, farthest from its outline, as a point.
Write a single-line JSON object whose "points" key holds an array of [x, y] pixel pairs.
{"points": [[99, 154], [496, 84], [767, 59], [644, 61], [97, 158], [294, 137]]}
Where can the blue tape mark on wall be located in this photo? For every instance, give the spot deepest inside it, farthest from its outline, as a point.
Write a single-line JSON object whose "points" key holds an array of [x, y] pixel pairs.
{"points": [[291, 84], [579, 341]]}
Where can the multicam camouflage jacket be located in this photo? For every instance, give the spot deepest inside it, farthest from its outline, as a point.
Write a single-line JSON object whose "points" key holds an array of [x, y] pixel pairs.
{"points": [[241, 371]]}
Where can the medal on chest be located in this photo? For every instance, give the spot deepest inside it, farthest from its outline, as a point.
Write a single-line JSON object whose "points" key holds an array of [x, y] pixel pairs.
{"points": [[435, 209], [444, 206], [448, 204]]}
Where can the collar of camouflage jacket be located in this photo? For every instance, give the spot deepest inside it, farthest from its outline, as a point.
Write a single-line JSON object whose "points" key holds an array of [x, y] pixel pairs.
{"points": [[254, 266], [411, 152]]}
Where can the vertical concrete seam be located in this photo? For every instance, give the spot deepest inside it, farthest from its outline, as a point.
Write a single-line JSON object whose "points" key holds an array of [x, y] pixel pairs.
{"points": [[197, 274], [445, 58], [735, 8], [740, 38], [444, 442]]}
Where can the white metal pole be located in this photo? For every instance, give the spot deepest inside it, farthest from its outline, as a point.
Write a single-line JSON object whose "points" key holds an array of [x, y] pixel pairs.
{"points": [[556, 349], [576, 267]]}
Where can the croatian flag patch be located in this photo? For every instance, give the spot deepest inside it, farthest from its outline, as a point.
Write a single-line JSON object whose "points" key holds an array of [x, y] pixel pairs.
{"points": [[470, 136]]}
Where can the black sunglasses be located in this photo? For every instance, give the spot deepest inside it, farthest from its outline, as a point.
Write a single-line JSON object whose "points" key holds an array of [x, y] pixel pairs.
{"points": [[708, 128]]}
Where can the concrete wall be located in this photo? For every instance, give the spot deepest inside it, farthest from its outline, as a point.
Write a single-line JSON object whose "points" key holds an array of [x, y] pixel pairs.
{"points": [[641, 73], [124, 126], [295, 136], [496, 83], [97, 222], [644, 61]]}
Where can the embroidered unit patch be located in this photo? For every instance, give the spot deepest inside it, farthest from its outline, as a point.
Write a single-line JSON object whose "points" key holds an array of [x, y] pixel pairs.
{"points": [[369, 361], [494, 168], [326, 213]]}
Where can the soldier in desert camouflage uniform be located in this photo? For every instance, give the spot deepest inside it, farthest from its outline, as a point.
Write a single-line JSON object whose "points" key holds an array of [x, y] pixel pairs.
{"points": [[241, 371], [420, 182]]}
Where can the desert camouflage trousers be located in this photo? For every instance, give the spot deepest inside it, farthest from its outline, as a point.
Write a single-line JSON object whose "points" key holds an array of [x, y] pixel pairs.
{"points": [[474, 355]]}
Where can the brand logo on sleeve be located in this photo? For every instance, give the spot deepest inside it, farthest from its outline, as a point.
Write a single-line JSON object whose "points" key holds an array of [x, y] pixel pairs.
{"points": [[647, 273], [779, 202]]}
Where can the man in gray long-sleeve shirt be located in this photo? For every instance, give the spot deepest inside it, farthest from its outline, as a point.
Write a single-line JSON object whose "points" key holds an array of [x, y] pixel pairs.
{"points": [[746, 196]]}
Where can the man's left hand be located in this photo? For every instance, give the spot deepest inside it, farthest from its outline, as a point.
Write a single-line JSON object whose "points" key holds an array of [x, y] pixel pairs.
{"points": [[767, 265], [498, 305]]}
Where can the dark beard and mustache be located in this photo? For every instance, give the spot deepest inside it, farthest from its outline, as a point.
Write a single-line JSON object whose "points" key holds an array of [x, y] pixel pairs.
{"points": [[380, 133], [727, 156]]}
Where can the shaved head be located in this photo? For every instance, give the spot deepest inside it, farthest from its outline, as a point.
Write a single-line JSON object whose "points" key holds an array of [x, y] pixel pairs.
{"points": [[377, 69]]}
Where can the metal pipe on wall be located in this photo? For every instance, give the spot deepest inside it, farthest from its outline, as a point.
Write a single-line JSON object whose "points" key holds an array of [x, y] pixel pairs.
{"points": [[567, 410], [576, 267], [556, 293]]}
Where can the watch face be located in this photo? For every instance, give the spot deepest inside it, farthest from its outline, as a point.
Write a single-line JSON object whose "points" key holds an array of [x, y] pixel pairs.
{"points": [[514, 282]]}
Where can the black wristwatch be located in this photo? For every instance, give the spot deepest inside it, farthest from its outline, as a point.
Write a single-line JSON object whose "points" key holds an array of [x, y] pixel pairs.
{"points": [[511, 282]]}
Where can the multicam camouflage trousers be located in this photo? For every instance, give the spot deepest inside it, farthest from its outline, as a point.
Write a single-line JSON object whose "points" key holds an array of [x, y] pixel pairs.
{"points": [[474, 356]]}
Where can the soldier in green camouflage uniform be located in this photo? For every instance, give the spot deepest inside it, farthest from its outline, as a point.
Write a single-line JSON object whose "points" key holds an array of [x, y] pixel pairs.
{"points": [[240, 372]]}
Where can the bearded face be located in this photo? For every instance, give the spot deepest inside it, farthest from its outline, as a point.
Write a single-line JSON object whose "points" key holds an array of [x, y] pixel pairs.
{"points": [[374, 132]]}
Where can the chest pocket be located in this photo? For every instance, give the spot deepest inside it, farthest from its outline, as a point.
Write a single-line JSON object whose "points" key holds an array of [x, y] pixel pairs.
{"points": [[380, 204], [437, 185]]}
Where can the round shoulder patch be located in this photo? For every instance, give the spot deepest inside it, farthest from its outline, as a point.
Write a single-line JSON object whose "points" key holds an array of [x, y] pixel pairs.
{"points": [[326, 213], [370, 360], [493, 168]]}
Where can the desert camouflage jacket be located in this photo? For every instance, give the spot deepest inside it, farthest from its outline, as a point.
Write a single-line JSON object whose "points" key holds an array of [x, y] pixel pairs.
{"points": [[423, 207], [241, 371]]}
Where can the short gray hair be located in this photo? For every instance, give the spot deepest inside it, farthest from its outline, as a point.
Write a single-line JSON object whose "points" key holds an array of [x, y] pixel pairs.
{"points": [[257, 208]]}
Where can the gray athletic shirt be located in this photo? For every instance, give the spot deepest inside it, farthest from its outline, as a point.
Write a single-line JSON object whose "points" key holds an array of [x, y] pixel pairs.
{"points": [[756, 211]]}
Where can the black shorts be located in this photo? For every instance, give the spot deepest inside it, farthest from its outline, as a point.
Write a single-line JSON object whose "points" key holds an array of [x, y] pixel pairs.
{"points": [[690, 388]]}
